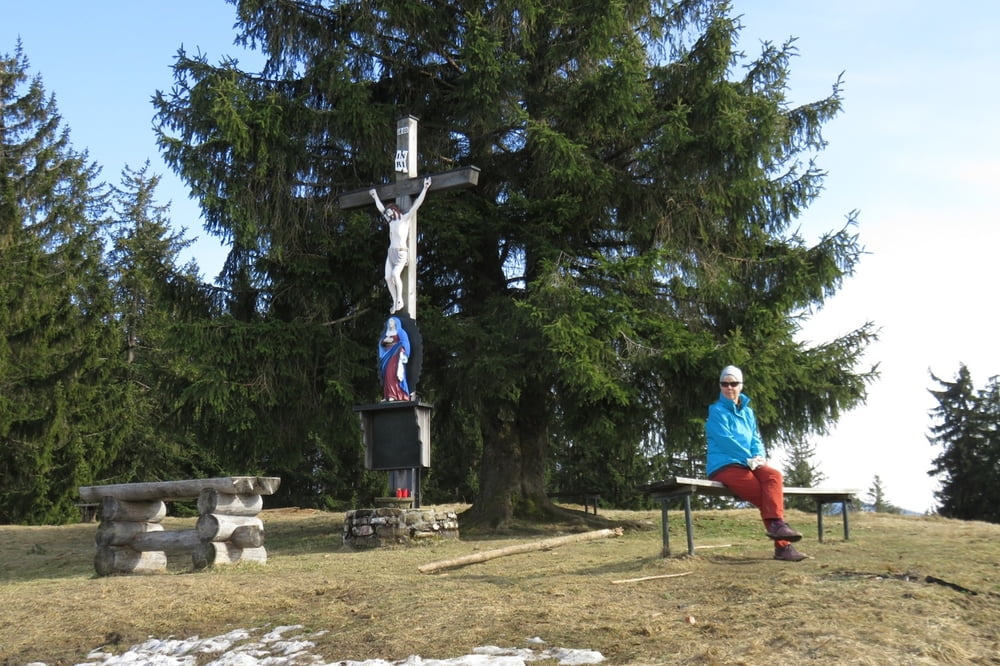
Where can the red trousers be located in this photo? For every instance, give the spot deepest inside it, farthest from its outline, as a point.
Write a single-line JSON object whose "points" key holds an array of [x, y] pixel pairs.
{"points": [[762, 487]]}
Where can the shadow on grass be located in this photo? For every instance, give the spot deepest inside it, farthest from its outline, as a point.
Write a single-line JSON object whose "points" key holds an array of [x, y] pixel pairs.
{"points": [[33, 552], [68, 551]]}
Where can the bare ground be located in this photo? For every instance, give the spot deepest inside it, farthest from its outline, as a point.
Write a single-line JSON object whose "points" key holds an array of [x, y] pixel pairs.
{"points": [[903, 590]]}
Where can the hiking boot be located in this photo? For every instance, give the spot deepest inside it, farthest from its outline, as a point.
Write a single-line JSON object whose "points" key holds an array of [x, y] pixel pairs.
{"points": [[788, 554], [779, 529]]}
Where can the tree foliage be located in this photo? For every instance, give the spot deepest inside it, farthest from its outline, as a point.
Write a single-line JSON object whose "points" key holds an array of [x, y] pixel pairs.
{"points": [[801, 471], [59, 419], [629, 235], [632, 232], [877, 498], [156, 302], [967, 428]]}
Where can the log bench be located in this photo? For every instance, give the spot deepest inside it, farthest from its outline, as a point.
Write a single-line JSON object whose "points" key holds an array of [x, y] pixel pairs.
{"points": [[131, 539], [679, 487]]}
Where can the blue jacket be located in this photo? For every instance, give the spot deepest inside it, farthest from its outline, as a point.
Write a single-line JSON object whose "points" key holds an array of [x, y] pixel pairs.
{"points": [[732, 434]]}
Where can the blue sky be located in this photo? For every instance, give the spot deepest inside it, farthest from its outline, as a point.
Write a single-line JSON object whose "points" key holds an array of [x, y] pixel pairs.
{"points": [[915, 151]]}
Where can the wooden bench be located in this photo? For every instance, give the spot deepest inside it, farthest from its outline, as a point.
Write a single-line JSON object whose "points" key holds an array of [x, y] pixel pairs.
{"points": [[88, 511], [131, 539], [680, 487], [587, 498]]}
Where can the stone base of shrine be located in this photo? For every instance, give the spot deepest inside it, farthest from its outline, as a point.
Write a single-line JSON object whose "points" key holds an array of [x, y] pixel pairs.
{"points": [[387, 526]]}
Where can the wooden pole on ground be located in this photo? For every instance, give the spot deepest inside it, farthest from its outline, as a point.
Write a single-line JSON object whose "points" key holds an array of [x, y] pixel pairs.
{"points": [[639, 580], [518, 548]]}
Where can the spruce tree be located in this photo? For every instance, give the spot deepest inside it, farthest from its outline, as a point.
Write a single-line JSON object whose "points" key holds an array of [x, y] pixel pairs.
{"points": [[58, 422], [801, 471], [966, 428], [158, 303], [877, 499], [630, 234]]}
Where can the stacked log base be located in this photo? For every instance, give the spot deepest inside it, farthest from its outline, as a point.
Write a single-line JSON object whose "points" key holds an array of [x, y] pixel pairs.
{"points": [[131, 538], [376, 528]]}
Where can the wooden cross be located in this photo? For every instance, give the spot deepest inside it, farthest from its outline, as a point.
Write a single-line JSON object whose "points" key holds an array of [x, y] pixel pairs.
{"points": [[408, 184]]}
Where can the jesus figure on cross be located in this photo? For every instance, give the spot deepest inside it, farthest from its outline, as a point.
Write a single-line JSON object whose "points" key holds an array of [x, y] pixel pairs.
{"points": [[399, 232]]}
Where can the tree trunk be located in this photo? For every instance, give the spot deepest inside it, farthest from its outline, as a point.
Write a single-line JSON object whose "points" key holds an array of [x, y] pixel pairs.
{"points": [[515, 453]]}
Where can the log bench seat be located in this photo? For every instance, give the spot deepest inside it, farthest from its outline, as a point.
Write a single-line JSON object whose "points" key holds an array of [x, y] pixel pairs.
{"points": [[131, 539], [680, 487]]}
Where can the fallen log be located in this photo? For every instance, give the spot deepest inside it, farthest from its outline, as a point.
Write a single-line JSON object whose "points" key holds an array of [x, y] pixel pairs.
{"points": [[518, 548], [639, 580]]}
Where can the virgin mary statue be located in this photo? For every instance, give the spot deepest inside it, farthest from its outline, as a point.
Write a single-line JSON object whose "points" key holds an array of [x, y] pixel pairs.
{"points": [[393, 355]]}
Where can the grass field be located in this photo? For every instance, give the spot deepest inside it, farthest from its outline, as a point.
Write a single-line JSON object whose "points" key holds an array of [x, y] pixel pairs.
{"points": [[903, 590]]}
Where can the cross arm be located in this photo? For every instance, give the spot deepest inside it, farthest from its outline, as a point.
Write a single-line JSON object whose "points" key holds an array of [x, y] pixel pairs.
{"points": [[441, 182]]}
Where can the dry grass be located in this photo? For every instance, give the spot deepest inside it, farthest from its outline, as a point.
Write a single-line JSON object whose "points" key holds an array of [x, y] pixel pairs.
{"points": [[866, 601]]}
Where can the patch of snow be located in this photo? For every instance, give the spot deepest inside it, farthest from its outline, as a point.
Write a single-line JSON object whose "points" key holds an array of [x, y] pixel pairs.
{"points": [[240, 648]]}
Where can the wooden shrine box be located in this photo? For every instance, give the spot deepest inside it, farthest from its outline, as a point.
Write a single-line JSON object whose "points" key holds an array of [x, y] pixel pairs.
{"points": [[397, 435]]}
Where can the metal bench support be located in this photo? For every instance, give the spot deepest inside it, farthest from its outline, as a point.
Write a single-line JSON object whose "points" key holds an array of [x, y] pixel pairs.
{"points": [[843, 512], [683, 488]]}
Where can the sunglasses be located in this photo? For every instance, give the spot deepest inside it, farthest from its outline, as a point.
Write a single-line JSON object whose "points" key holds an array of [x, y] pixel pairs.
{"points": [[729, 384]]}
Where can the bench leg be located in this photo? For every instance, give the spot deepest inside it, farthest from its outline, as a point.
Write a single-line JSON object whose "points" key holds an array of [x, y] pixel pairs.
{"points": [[819, 519], [666, 528], [843, 515], [687, 524]]}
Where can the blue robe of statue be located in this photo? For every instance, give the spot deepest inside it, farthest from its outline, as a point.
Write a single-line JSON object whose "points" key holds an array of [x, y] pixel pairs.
{"points": [[393, 354]]}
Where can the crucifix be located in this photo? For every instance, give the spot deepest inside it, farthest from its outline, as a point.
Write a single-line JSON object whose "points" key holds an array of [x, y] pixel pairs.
{"points": [[397, 430], [407, 185]]}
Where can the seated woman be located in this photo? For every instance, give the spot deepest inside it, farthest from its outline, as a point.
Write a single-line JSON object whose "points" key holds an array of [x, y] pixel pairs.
{"points": [[736, 459]]}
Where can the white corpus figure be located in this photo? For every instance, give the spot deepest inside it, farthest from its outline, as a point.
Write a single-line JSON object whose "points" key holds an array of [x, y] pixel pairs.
{"points": [[399, 232]]}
